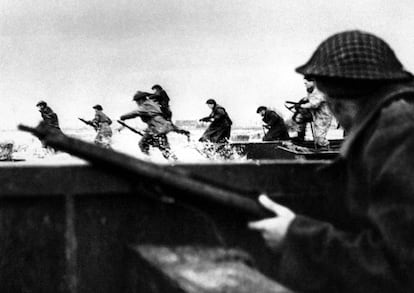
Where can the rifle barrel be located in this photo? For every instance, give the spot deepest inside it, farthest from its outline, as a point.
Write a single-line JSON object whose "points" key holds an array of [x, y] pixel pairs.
{"points": [[127, 166], [129, 127], [89, 123]]}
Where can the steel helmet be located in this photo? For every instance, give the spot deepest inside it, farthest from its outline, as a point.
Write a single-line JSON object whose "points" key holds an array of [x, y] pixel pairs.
{"points": [[41, 103], [211, 102], [355, 55]]}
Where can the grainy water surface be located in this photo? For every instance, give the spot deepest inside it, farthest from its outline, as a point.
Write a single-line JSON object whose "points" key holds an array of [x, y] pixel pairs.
{"points": [[28, 148]]}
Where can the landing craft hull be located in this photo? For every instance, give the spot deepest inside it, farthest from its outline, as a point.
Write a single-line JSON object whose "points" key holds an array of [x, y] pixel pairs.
{"points": [[75, 228], [270, 150]]}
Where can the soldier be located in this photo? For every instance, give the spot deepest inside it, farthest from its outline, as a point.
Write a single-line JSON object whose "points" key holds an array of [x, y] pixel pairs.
{"points": [[155, 134], [50, 120], [49, 117], [161, 97], [220, 127], [367, 244], [277, 129], [321, 115], [102, 123]]}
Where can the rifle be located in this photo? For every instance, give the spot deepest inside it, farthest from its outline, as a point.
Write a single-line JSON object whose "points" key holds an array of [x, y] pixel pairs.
{"points": [[264, 130], [205, 119], [187, 185], [300, 115], [129, 127], [295, 105], [89, 123]]}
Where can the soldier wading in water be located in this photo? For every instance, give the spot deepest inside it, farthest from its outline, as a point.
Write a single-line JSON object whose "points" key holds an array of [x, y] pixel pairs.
{"points": [[220, 127], [155, 134], [50, 119], [161, 97], [102, 123]]}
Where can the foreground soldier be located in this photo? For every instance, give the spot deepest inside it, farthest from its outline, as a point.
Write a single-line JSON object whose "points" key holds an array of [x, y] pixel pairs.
{"points": [[220, 127], [156, 133], [277, 129], [369, 246], [102, 125]]}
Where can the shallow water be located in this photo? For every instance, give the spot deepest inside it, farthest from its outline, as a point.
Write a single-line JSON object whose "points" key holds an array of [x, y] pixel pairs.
{"points": [[28, 148]]}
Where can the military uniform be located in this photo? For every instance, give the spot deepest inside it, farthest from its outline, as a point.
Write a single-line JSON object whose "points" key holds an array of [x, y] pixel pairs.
{"points": [[220, 127], [321, 117], [49, 117], [164, 101], [277, 128], [366, 244], [162, 98], [104, 132], [50, 120], [155, 134]]}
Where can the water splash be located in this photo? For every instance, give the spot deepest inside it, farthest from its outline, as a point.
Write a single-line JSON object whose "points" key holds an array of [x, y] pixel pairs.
{"points": [[29, 148]]}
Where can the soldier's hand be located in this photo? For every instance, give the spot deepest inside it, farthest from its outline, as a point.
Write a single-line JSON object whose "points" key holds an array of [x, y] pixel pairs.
{"points": [[273, 229]]}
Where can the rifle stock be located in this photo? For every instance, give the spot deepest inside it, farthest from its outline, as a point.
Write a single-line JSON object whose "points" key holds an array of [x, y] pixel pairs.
{"points": [[130, 167]]}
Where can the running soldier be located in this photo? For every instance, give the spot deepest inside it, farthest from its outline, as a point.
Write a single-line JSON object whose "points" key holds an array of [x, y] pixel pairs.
{"points": [[155, 134], [49, 117], [50, 120], [220, 127], [161, 97], [102, 123]]}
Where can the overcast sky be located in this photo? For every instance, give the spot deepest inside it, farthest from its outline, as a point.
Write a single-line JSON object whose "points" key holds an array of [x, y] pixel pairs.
{"points": [[74, 54]]}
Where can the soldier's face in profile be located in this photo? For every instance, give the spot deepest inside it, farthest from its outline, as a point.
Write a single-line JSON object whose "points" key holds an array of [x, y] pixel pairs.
{"points": [[211, 106], [344, 111]]}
